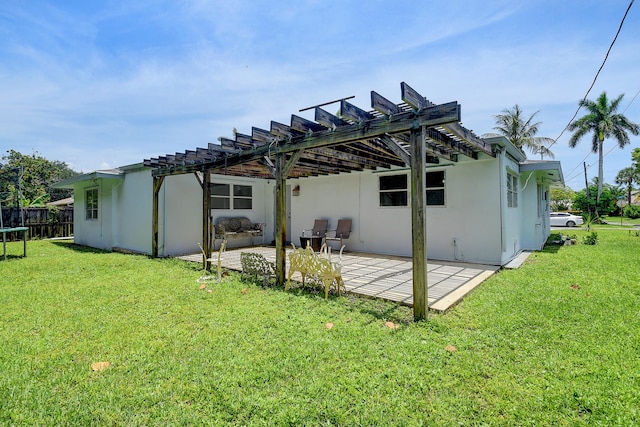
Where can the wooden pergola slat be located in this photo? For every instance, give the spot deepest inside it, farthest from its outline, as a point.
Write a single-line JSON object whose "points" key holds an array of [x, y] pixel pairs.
{"points": [[329, 120]]}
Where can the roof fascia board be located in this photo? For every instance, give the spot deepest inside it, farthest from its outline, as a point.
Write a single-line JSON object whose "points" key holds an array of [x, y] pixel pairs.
{"points": [[552, 167], [511, 149], [70, 182]]}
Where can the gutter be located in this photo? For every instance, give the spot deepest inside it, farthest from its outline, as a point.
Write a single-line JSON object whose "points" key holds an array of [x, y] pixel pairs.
{"points": [[501, 154]]}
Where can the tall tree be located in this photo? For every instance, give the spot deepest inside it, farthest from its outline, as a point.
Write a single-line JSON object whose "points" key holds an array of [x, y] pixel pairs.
{"points": [[626, 177], [603, 120], [604, 206], [543, 150], [27, 179], [635, 158], [521, 131]]}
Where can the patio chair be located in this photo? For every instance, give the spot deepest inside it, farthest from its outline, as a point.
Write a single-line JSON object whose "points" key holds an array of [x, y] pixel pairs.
{"points": [[315, 236], [319, 228], [342, 231]]}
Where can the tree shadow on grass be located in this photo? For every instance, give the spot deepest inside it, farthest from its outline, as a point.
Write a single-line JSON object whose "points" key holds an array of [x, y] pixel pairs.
{"points": [[12, 257], [88, 249], [376, 308], [381, 309], [553, 243], [67, 244]]}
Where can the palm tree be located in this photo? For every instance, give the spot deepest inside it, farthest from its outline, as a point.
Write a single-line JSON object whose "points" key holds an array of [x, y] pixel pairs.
{"points": [[603, 120], [522, 132], [543, 151], [626, 177]]}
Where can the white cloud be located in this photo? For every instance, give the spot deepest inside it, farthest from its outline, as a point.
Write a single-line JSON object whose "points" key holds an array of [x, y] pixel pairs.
{"points": [[138, 80]]}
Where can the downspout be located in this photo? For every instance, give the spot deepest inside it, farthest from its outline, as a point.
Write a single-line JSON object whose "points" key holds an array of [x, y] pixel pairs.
{"points": [[503, 242]]}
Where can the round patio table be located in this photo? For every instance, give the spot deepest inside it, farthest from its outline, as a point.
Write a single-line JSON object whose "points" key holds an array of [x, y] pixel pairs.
{"points": [[314, 241]]}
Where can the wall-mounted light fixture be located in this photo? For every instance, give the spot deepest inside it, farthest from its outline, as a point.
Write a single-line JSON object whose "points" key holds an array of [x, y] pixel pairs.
{"points": [[296, 190]]}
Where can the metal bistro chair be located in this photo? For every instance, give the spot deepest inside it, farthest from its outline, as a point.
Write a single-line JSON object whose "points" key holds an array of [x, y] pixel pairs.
{"points": [[342, 231], [316, 235], [205, 278]]}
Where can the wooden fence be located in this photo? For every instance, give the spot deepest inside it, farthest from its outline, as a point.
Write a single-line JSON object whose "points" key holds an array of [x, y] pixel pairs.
{"points": [[43, 223]]}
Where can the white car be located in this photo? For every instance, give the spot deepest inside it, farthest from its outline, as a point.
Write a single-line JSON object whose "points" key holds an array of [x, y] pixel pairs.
{"points": [[564, 219]]}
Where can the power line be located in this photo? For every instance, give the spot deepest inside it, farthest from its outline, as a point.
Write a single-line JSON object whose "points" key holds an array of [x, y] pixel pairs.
{"points": [[597, 74], [581, 162], [631, 102]]}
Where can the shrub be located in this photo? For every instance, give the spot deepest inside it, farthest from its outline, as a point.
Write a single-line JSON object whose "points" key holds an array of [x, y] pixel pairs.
{"points": [[632, 211], [606, 205], [590, 239], [559, 206]]}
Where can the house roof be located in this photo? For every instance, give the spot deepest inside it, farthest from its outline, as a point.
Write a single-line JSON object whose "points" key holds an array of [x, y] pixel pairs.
{"points": [[117, 173], [551, 168], [353, 140], [62, 202]]}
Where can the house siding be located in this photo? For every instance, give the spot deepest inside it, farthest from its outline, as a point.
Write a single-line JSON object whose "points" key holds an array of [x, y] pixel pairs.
{"points": [[94, 232], [470, 215], [476, 223], [132, 212], [262, 210]]}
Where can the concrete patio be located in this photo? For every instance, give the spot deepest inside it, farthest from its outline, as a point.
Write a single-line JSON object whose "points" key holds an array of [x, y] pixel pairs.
{"points": [[387, 277]]}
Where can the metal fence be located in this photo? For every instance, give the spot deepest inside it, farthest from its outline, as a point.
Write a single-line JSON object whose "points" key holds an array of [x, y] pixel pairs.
{"points": [[43, 223]]}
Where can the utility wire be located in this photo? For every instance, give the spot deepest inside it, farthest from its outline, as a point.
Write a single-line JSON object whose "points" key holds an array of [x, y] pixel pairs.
{"points": [[631, 102], [597, 74], [581, 162]]}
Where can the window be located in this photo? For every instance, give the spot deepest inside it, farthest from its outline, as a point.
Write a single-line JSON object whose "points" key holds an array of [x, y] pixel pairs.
{"points": [[435, 188], [393, 190], [512, 191], [542, 197], [91, 203], [242, 197], [221, 196]]}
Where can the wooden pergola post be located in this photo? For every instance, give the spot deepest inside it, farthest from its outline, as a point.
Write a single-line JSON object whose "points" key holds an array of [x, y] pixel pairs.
{"points": [[157, 184], [281, 218], [419, 223], [206, 209]]}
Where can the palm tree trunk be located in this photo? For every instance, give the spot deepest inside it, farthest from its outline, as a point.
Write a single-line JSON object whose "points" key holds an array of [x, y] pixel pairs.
{"points": [[600, 169]]}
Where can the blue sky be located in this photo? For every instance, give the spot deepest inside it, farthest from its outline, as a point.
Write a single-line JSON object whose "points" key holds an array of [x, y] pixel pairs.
{"points": [[105, 84]]}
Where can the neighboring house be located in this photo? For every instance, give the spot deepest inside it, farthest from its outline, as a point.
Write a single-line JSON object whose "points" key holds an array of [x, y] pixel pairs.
{"points": [[66, 202], [481, 211]]}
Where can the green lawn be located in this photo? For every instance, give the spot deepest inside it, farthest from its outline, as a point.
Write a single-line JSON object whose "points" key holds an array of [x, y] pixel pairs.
{"points": [[556, 342]]}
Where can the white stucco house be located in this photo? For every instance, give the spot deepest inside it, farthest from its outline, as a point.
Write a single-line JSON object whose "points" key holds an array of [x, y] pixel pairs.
{"points": [[478, 200], [485, 210]]}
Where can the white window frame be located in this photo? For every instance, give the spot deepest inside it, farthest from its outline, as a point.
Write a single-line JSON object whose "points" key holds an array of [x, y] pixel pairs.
{"points": [[434, 188], [91, 203], [221, 197], [399, 191], [230, 197], [512, 190], [241, 199]]}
